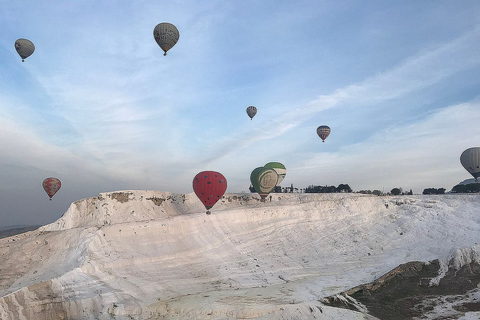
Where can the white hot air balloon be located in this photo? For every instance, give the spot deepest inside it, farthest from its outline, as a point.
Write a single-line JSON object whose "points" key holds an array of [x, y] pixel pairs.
{"points": [[166, 35], [24, 48], [470, 160]]}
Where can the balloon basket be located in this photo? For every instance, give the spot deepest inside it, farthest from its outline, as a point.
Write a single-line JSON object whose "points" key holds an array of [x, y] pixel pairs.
{"points": [[208, 212]]}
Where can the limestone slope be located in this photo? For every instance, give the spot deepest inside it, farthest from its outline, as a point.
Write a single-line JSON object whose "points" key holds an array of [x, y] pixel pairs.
{"points": [[156, 255]]}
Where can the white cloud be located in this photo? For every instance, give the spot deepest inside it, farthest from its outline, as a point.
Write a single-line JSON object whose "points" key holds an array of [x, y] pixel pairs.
{"points": [[416, 155], [414, 74]]}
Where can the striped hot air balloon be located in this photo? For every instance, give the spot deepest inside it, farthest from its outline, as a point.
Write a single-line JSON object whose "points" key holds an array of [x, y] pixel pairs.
{"points": [[323, 132]]}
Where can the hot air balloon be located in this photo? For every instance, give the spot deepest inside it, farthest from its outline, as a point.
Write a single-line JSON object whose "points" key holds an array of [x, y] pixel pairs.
{"points": [[470, 160], [251, 111], [166, 35], [323, 132], [279, 168], [51, 186], [24, 48], [209, 186], [264, 180]]}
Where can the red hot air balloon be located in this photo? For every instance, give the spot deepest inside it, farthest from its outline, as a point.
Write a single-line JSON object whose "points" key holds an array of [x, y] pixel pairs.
{"points": [[51, 186], [209, 186]]}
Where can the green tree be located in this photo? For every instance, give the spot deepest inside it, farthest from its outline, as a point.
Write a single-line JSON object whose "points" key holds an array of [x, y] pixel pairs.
{"points": [[434, 191], [396, 191], [344, 188]]}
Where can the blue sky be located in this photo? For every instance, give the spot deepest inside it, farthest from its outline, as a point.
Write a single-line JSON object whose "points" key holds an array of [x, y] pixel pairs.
{"points": [[99, 107]]}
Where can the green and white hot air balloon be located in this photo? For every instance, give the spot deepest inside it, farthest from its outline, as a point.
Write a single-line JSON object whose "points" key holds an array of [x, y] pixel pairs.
{"points": [[279, 168], [264, 180]]}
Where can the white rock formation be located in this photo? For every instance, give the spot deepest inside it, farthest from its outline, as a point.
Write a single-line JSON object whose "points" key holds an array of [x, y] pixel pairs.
{"points": [[156, 255]]}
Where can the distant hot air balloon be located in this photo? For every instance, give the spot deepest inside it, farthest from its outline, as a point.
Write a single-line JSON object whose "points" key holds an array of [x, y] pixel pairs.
{"points": [[166, 35], [264, 180], [323, 132], [470, 160], [209, 186], [279, 168], [51, 186], [24, 48], [251, 111]]}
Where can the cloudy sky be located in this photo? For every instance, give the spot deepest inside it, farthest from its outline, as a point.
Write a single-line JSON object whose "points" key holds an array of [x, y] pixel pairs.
{"points": [[99, 107]]}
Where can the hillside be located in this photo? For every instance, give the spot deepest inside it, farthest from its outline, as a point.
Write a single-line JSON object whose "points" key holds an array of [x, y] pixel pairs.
{"points": [[157, 255]]}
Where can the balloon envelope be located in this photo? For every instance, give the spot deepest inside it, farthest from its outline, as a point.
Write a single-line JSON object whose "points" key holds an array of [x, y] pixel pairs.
{"points": [[323, 132], [279, 168], [470, 160], [166, 35], [209, 186], [51, 186], [264, 180], [24, 48], [251, 111]]}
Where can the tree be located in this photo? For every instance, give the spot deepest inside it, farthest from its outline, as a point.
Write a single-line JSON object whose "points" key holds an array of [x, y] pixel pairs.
{"points": [[434, 191], [344, 188], [365, 191], [396, 191]]}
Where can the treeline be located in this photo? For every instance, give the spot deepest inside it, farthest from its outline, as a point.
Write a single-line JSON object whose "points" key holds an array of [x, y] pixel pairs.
{"points": [[466, 188], [345, 188], [434, 191], [459, 188], [342, 188]]}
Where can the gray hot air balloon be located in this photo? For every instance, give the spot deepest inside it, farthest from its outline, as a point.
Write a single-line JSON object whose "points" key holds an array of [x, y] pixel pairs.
{"points": [[166, 35], [24, 48], [251, 111], [470, 160]]}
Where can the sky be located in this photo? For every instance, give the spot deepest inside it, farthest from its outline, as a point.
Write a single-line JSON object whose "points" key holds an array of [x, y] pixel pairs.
{"points": [[98, 106]]}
